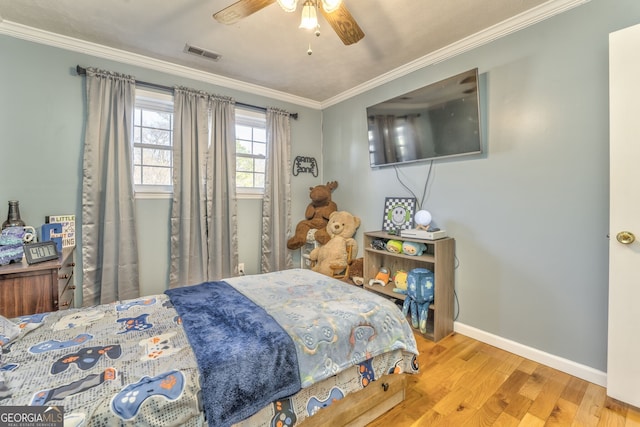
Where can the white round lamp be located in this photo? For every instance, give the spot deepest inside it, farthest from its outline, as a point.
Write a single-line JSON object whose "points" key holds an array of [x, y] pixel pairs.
{"points": [[422, 219]]}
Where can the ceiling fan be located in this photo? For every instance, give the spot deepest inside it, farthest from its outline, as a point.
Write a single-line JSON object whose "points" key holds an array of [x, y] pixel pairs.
{"points": [[334, 11]]}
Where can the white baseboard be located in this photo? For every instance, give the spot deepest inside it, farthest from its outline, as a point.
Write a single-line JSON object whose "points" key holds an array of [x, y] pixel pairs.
{"points": [[572, 368]]}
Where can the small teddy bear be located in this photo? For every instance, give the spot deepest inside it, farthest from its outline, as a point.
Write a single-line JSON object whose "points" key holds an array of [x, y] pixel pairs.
{"points": [[333, 256]]}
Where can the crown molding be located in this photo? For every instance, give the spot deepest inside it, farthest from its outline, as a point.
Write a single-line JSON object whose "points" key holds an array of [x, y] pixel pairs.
{"points": [[69, 43], [528, 18], [509, 26]]}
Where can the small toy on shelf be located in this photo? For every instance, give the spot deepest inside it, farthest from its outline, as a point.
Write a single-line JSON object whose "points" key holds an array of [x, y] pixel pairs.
{"points": [[379, 244], [394, 246], [382, 278], [420, 293], [413, 248], [400, 282]]}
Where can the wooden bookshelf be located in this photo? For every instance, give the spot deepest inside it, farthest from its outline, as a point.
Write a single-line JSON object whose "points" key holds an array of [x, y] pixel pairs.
{"points": [[439, 257]]}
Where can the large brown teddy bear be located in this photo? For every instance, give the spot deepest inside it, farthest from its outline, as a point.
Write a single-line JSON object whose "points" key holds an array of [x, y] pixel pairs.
{"points": [[332, 257], [317, 216]]}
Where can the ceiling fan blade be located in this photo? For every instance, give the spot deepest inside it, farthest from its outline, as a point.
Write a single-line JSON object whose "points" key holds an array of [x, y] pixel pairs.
{"points": [[343, 24], [240, 9]]}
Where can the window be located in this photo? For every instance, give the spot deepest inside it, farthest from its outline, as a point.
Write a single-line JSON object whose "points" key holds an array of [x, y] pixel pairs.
{"points": [[153, 142], [251, 150], [153, 145]]}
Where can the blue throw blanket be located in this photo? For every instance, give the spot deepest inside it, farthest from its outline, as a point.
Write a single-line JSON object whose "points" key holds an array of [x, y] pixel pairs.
{"points": [[246, 359]]}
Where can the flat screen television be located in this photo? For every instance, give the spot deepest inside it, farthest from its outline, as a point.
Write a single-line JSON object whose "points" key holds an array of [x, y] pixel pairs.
{"points": [[437, 121]]}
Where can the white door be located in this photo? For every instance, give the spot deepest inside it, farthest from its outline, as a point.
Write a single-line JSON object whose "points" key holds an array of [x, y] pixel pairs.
{"points": [[623, 355]]}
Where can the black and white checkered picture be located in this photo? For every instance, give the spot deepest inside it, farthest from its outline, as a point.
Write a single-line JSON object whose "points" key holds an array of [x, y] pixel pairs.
{"points": [[398, 213]]}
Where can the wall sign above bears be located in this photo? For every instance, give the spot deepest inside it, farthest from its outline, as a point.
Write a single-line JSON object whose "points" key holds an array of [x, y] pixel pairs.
{"points": [[305, 165]]}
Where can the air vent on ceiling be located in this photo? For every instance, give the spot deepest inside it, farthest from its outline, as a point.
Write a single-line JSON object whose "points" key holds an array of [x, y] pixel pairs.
{"points": [[202, 52]]}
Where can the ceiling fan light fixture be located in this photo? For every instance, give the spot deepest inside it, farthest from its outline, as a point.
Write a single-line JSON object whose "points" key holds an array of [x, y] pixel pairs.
{"points": [[288, 5], [309, 19], [330, 5]]}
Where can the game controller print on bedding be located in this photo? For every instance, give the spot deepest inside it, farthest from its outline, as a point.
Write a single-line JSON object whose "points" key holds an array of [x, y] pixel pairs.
{"points": [[90, 381], [78, 319], [284, 415], [135, 303], [53, 345], [133, 324], [127, 402], [82, 359], [158, 346], [85, 358], [78, 365]]}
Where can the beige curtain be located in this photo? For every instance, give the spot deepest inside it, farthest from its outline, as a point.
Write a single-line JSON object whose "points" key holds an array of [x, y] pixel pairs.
{"points": [[276, 204], [203, 214], [222, 214], [109, 246], [188, 210]]}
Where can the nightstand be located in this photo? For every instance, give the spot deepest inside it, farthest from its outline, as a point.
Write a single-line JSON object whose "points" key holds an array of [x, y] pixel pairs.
{"points": [[38, 288]]}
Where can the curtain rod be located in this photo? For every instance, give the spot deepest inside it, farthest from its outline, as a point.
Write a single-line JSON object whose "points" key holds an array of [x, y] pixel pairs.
{"points": [[81, 71]]}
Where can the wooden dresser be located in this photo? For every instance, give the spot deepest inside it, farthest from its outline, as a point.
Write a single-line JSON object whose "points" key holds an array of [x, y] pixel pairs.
{"points": [[38, 288]]}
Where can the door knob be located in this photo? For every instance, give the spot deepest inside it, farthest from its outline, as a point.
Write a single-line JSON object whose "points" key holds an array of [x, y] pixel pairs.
{"points": [[625, 237]]}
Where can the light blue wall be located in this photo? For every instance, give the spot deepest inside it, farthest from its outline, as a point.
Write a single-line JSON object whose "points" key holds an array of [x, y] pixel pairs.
{"points": [[41, 132], [530, 215]]}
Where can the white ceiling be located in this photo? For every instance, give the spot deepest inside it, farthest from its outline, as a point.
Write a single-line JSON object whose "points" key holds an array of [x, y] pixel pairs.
{"points": [[266, 49]]}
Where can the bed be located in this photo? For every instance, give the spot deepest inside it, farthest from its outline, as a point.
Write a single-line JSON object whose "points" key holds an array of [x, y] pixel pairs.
{"points": [[261, 350]]}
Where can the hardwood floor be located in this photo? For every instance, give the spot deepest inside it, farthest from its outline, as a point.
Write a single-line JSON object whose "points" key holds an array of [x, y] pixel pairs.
{"points": [[463, 382]]}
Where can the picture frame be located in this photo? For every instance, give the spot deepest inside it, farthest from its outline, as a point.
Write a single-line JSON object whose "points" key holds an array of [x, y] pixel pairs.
{"points": [[398, 214]]}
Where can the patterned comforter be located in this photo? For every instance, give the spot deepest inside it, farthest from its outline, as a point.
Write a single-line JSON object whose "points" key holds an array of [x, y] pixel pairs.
{"points": [[131, 363]]}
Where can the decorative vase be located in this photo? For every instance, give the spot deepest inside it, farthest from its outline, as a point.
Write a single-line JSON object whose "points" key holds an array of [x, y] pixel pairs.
{"points": [[13, 217]]}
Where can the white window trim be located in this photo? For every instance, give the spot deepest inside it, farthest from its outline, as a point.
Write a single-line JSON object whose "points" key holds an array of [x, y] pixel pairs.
{"points": [[250, 118], [153, 192], [154, 100]]}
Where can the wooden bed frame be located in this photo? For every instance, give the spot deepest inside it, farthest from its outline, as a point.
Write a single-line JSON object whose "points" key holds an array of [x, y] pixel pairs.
{"points": [[364, 406]]}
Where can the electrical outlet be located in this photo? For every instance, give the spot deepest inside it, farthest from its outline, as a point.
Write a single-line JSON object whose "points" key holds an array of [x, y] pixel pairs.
{"points": [[241, 268]]}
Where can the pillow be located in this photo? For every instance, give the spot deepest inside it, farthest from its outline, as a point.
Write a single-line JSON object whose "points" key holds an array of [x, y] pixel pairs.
{"points": [[8, 331]]}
